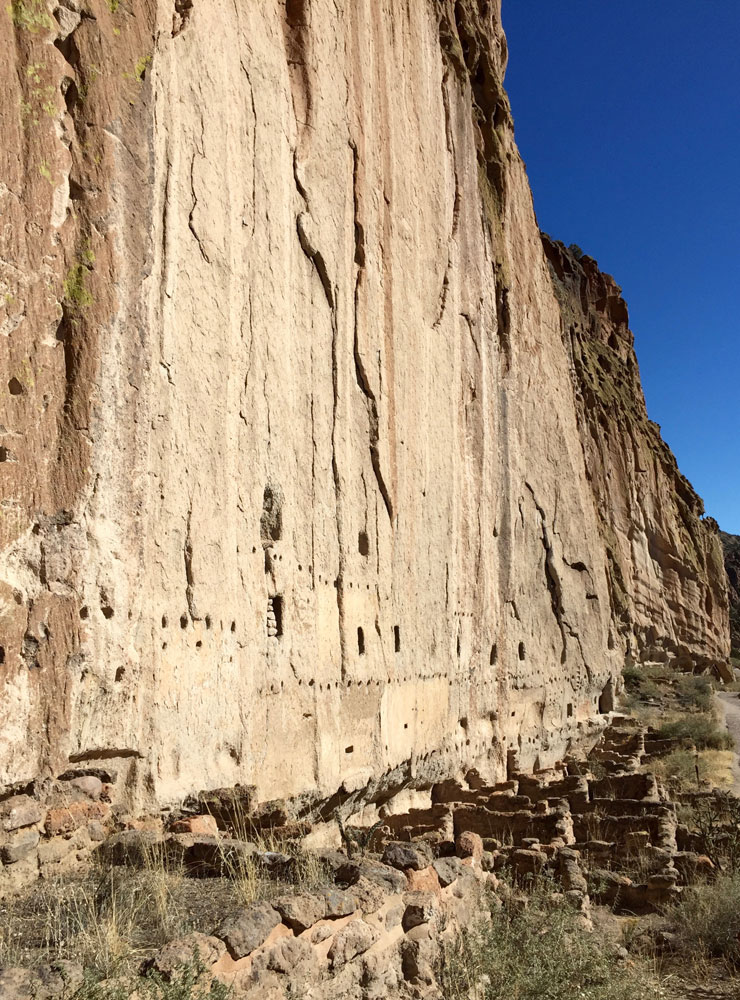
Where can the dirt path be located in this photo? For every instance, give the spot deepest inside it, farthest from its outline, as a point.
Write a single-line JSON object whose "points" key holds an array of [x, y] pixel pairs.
{"points": [[730, 707]]}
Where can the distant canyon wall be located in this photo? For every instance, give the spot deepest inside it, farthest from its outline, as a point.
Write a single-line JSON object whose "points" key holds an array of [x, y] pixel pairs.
{"points": [[664, 558], [320, 476], [731, 550]]}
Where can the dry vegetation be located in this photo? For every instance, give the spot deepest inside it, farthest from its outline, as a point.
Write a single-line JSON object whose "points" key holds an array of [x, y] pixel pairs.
{"points": [[111, 918], [529, 943], [538, 949], [681, 708]]}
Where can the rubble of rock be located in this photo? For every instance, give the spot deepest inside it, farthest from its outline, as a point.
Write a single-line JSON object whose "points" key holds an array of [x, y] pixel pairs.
{"points": [[380, 924]]}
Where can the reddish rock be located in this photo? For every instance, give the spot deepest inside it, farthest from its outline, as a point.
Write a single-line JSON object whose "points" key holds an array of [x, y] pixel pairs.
{"points": [[66, 819], [204, 824], [469, 845], [425, 880]]}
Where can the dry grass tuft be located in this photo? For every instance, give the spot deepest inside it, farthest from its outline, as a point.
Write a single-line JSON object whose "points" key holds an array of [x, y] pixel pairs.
{"points": [[539, 951], [707, 923], [110, 919]]}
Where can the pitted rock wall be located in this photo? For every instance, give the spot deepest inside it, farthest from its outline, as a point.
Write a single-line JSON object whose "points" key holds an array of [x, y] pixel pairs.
{"points": [[294, 492], [731, 553], [668, 589]]}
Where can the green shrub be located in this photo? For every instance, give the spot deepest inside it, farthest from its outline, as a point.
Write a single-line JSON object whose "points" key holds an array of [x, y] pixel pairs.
{"points": [[537, 953], [633, 677], [695, 692], [76, 292], [677, 769], [707, 920], [716, 819], [700, 729], [30, 15]]}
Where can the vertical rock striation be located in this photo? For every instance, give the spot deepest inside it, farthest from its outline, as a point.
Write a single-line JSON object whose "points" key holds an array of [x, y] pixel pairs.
{"points": [[667, 586], [731, 550], [305, 486]]}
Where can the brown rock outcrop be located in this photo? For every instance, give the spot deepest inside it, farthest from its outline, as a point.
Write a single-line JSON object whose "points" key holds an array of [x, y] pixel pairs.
{"points": [[295, 494], [664, 558], [731, 549]]}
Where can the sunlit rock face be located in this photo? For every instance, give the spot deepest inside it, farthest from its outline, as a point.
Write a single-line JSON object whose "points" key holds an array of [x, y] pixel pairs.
{"points": [[731, 551], [667, 585], [310, 480]]}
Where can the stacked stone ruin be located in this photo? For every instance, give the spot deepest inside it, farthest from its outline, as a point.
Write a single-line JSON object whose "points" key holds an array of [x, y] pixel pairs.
{"points": [[384, 917]]}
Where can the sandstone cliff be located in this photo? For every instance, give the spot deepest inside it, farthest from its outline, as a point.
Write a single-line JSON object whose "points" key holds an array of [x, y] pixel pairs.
{"points": [[731, 549], [666, 580], [306, 469]]}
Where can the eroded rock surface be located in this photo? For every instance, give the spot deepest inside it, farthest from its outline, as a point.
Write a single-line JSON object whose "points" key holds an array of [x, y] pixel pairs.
{"points": [[731, 550], [303, 490], [664, 558]]}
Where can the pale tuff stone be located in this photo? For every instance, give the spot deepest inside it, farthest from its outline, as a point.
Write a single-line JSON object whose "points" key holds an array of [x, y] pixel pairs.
{"points": [[351, 941], [89, 785], [421, 908], [18, 846], [19, 811], [57, 979], [325, 474]]}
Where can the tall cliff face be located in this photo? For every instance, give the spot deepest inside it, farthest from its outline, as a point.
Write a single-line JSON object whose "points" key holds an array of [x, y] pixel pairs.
{"points": [[731, 550], [298, 483], [666, 581]]}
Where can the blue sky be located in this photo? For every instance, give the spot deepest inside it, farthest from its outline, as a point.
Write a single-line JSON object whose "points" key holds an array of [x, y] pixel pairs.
{"points": [[628, 118]]}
